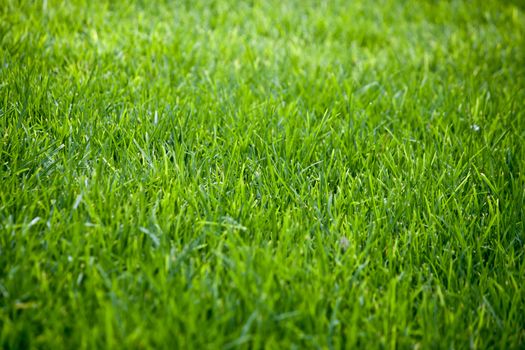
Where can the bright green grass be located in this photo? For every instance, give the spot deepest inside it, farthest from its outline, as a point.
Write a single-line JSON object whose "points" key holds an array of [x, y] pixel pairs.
{"points": [[185, 175]]}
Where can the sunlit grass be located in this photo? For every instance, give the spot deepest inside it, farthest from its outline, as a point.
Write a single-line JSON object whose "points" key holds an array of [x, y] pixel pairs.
{"points": [[279, 174]]}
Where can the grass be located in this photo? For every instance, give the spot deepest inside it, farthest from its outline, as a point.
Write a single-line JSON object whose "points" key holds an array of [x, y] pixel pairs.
{"points": [[262, 174]]}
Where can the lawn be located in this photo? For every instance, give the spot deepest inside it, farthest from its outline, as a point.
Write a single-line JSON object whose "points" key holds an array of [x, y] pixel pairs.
{"points": [[262, 174]]}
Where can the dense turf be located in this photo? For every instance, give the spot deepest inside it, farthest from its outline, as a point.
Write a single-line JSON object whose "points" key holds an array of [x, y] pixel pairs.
{"points": [[281, 174]]}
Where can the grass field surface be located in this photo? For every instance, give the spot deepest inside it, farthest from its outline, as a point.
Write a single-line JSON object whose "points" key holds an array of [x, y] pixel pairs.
{"points": [[262, 174]]}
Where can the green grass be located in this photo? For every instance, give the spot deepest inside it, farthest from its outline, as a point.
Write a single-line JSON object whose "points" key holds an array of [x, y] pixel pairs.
{"points": [[265, 174]]}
